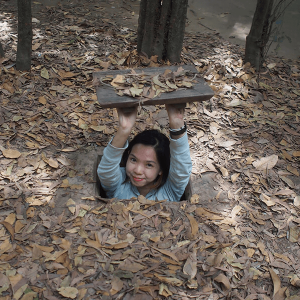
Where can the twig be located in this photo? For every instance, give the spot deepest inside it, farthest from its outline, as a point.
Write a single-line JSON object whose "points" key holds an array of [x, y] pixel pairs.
{"points": [[218, 288], [100, 79], [206, 26]]}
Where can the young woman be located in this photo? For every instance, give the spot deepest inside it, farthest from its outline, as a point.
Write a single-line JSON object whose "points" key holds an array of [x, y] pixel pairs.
{"points": [[154, 166]]}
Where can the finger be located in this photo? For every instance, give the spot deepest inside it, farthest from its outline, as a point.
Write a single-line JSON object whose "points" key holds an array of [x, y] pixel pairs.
{"points": [[176, 106], [128, 110], [180, 106]]}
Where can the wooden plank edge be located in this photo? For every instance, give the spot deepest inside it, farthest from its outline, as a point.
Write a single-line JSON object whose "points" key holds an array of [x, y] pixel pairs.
{"points": [[157, 101]]}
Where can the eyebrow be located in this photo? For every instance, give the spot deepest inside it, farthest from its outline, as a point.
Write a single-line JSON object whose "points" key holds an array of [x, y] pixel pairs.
{"points": [[148, 161]]}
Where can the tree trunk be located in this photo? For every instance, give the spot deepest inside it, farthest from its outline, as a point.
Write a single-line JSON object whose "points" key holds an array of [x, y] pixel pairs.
{"points": [[161, 28], [1, 51], [176, 29], [149, 13], [259, 33], [24, 35]]}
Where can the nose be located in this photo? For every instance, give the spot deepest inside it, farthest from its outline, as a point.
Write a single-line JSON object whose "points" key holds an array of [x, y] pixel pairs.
{"points": [[138, 169]]}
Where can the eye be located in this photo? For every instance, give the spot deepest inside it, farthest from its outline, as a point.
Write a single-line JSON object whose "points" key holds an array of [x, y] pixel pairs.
{"points": [[132, 159], [149, 165]]}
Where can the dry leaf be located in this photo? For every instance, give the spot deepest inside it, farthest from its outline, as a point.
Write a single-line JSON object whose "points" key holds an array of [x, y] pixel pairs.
{"points": [[226, 144], [276, 281], [213, 127], [266, 163], [209, 164], [221, 278], [267, 200], [43, 100], [271, 66], [195, 199], [194, 225], [135, 91], [288, 181], [98, 128], [11, 218], [224, 171], [169, 280], [9, 228], [295, 280], [294, 234], [45, 73], [18, 226], [157, 82], [71, 206], [52, 163], [30, 212], [133, 267], [64, 74], [68, 292], [164, 291], [250, 252], [204, 213], [8, 87], [190, 266], [234, 177], [119, 79], [19, 292], [11, 153], [292, 170], [116, 285], [167, 253], [29, 296]]}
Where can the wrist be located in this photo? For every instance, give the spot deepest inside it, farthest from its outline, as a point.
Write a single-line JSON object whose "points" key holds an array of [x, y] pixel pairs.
{"points": [[120, 138], [176, 124], [178, 131], [124, 130]]}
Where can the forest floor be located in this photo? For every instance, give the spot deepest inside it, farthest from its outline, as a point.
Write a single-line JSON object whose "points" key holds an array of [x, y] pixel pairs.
{"points": [[238, 237]]}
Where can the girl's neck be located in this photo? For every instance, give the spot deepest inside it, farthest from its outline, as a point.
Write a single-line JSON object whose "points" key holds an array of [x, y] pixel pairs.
{"points": [[144, 191]]}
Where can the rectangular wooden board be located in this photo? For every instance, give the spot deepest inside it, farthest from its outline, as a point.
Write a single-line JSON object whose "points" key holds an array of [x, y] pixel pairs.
{"points": [[108, 98]]}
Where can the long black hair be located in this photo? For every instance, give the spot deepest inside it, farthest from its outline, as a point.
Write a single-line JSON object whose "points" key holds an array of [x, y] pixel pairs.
{"points": [[161, 145]]}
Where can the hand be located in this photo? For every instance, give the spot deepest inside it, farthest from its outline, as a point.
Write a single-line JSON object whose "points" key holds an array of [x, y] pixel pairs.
{"points": [[176, 115], [127, 118]]}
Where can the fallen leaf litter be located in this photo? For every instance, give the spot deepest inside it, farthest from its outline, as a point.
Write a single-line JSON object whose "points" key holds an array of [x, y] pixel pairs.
{"points": [[144, 86], [132, 246], [243, 242]]}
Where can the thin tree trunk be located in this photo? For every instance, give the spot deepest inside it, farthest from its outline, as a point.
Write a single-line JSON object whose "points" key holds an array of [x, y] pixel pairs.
{"points": [[141, 24], [258, 37], [161, 28], [149, 26], [161, 39], [1, 51], [176, 30], [24, 35]]}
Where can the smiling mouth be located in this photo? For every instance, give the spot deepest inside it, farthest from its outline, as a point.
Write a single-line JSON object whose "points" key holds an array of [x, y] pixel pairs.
{"points": [[137, 179]]}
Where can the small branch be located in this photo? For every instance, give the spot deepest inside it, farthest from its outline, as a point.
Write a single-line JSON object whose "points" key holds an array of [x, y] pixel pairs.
{"points": [[1, 51]]}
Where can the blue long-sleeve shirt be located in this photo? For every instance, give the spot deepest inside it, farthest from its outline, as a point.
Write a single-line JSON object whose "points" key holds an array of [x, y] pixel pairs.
{"points": [[112, 176]]}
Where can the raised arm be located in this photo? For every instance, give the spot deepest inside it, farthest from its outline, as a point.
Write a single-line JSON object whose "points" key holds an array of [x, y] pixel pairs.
{"points": [[176, 119], [181, 164], [109, 171], [127, 119]]}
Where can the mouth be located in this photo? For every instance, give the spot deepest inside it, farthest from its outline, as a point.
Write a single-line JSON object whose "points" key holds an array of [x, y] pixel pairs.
{"points": [[137, 179]]}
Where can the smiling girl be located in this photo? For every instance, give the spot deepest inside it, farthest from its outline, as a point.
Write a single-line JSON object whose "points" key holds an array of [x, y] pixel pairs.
{"points": [[152, 165]]}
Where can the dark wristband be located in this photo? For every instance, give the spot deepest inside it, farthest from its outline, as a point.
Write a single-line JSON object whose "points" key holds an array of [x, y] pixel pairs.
{"points": [[178, 131]]}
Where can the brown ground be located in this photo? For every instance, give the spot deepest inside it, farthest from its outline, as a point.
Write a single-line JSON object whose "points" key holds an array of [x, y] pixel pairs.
{"points": [[239, 235]]}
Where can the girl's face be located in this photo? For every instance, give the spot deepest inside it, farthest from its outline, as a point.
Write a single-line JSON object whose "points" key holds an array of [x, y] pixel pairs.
{"points": [[142, 167]]}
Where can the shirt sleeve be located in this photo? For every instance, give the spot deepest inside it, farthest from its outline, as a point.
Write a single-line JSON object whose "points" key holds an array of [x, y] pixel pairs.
{"points": [[109, 170], [180, 166]]}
